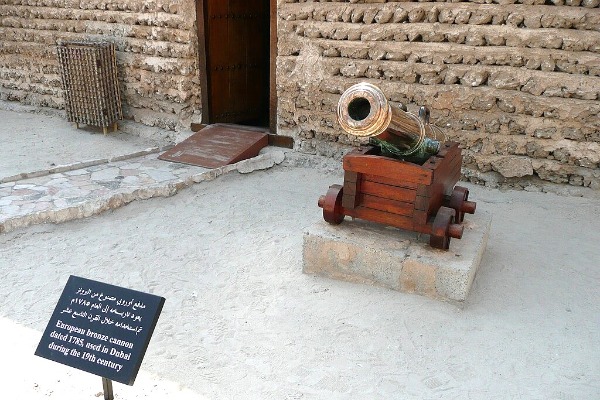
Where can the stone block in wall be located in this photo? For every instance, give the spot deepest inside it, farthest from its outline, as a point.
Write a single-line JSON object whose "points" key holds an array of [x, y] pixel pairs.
{"points": [[513, 166]]}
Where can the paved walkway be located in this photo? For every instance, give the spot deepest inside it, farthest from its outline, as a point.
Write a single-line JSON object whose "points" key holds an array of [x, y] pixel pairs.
{"points": [[84, 189], [52, 172]]}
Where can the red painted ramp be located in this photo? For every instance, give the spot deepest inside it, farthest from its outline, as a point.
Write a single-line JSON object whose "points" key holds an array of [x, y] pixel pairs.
{"points": [[218, 145]]}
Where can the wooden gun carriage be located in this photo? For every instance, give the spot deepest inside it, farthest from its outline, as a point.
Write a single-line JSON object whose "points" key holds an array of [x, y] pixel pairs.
{"points": [[420, 198]]}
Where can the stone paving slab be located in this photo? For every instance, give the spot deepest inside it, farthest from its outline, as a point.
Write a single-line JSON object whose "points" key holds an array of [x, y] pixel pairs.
{"points": [[93, 189], [364, 252], [78, 165]]}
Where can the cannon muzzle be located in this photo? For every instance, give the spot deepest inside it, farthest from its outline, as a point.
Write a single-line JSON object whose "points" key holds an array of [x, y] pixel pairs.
{"points": [[364, 111]]}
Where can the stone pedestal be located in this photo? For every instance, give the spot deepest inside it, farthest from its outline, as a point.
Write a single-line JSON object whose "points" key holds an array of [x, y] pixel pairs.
{"points": [[364, 252]]}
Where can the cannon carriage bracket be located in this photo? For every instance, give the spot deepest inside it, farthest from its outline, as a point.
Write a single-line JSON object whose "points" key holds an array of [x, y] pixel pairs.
{"points": [[420, 198]]}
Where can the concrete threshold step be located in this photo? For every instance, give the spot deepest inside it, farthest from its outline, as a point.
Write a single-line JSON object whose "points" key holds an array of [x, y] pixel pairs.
{"points": [[91, 190]]}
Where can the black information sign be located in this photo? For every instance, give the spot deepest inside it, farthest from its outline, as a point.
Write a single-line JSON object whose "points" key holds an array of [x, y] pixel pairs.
{"points": [[101, 329]]}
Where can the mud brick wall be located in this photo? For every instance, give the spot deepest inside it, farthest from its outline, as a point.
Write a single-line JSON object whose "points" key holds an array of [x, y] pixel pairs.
{"points": [[516, 82], [156, 45]]}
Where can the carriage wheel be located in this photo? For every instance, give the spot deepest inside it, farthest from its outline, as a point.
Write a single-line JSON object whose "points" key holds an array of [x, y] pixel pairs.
{"points": [[331, 204], [444, 228], [459, 202]]}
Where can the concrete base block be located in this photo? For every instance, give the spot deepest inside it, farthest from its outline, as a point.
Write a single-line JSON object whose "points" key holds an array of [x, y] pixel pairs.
{"points": [[365, 252]]}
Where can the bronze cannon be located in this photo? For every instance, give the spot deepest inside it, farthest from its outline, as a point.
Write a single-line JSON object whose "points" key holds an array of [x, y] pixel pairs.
{"points": [[364, 111], [405, 178]]}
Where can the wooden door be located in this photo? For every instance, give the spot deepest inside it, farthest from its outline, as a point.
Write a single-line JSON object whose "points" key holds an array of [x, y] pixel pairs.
{"points": [[237, 61]]}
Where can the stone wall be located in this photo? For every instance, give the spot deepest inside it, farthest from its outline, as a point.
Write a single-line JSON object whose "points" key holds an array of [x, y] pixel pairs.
{"points": [[516, 82], [156, 53]]}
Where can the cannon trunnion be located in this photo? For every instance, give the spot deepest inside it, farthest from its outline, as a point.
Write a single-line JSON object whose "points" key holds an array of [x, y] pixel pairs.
{"points": [[420, 198]]}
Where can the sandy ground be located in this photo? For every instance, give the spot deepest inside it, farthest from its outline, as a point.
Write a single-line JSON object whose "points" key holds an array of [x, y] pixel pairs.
{"points": [[242, 321], [34, 142]]}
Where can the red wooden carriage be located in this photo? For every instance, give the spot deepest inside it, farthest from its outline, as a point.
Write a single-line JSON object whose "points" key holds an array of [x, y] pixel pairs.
{"points": [[420, 198]]}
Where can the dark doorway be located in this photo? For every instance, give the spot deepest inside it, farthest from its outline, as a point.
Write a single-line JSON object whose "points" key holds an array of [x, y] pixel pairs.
{"points": [[235, 37]]}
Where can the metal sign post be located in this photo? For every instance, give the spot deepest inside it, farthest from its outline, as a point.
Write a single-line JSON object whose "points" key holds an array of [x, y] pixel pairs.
{"points": [[107, 388]]}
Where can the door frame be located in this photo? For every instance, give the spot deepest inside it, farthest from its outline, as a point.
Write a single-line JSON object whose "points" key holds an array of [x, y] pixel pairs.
{"points": [[201, 32]]}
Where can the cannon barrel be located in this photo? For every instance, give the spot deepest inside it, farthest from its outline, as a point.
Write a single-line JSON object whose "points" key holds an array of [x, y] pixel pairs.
{"points": [[364, 111]]}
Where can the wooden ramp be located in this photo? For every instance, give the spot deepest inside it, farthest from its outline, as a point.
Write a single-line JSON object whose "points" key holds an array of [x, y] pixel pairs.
{"points": [[218, 145]]}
